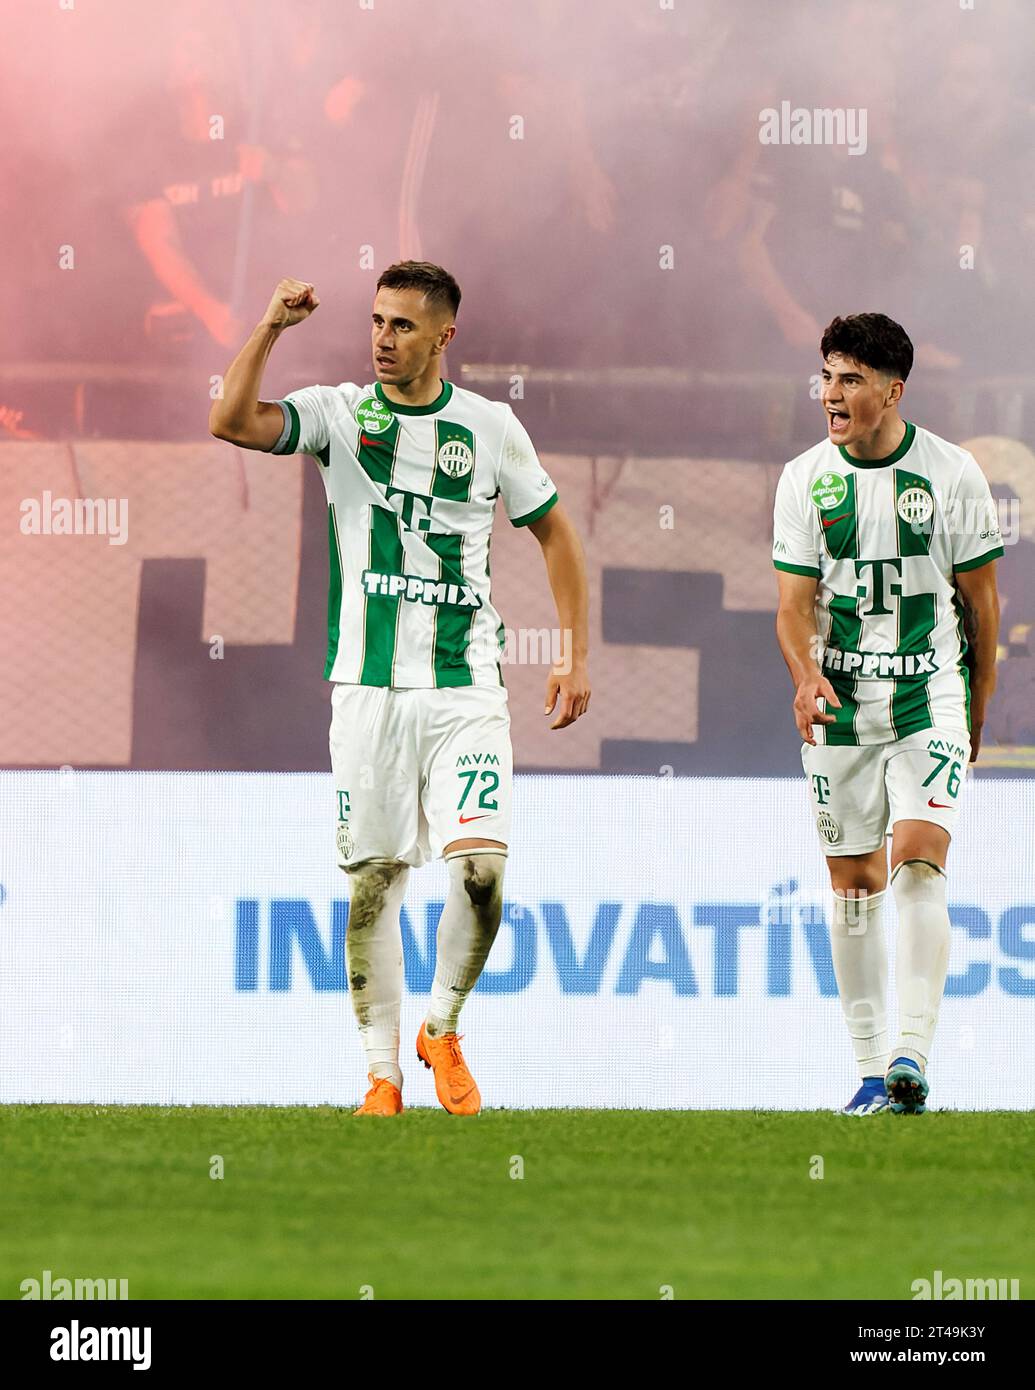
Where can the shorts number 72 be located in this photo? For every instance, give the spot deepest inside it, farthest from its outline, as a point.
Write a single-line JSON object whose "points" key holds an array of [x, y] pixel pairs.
{"points": [[491, 780]]}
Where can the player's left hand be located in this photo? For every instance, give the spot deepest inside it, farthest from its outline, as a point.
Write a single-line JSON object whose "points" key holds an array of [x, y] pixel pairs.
{"points": [[569, 693], [978, 705], [976, 725]]}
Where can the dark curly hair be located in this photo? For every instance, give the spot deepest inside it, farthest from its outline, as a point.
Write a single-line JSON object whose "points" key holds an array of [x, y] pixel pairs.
{"points": [[873, 340]]}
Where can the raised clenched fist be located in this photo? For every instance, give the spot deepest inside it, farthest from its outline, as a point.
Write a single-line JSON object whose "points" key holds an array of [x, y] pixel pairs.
{"points": [[293, 301]]}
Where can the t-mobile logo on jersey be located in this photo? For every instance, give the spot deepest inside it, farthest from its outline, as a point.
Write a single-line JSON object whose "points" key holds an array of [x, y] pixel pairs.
{"points": [[414, 508], [880, 594]]}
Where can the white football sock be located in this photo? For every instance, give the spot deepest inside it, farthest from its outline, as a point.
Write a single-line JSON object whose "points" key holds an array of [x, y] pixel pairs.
{"points": [[373, 949], [466, 931], [861, 968], [922, 962]]}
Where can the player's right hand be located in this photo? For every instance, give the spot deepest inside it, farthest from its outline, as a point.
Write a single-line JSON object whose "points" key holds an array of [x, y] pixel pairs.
{"points": [[806, 705], [293, 301]]}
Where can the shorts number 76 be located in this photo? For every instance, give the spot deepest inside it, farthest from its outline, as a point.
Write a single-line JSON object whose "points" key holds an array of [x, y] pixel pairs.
{"points": [[952, 782]]}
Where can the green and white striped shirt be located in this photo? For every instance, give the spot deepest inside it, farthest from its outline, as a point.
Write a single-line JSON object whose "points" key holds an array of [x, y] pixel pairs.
{"points": [[885, 538], [411, 496]]}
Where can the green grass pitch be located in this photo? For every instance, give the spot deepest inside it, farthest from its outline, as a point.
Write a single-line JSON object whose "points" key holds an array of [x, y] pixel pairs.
{"points": [[612, 1204]]}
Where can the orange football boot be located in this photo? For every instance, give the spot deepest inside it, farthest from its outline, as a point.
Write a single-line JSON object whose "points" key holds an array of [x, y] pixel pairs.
{"points": [[383, 1098], [454, 1084]]}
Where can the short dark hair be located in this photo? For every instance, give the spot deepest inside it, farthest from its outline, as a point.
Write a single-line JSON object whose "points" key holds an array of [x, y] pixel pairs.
{"points": [[434, 282], [871, 339]]}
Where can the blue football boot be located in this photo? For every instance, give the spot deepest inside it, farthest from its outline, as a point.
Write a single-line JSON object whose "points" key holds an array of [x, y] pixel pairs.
{"points": [[869, 1099], [906, 1087]]}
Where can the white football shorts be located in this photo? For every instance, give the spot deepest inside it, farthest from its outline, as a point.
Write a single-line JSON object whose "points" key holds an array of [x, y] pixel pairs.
{"points": [[416, 769], [858, 793]]}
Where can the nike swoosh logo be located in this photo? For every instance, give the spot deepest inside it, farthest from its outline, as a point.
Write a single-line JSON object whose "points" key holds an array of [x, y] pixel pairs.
{"points": [[829, 521], [365, 439], [465, 819], [938, 806]]}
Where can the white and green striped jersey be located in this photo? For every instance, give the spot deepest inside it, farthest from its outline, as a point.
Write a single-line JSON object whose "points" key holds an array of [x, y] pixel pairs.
{"points": [[885, 538], [411, 495]]}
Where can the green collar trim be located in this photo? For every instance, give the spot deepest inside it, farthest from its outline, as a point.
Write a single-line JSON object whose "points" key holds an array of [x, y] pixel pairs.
{"points": [[442, 399], [900, 452]]}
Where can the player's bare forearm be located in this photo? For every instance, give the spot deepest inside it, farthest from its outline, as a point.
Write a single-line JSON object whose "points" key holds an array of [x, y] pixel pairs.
{"points": [[239, 415], [979, 597], [799, 643], [566, 571], [567, 689]]}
